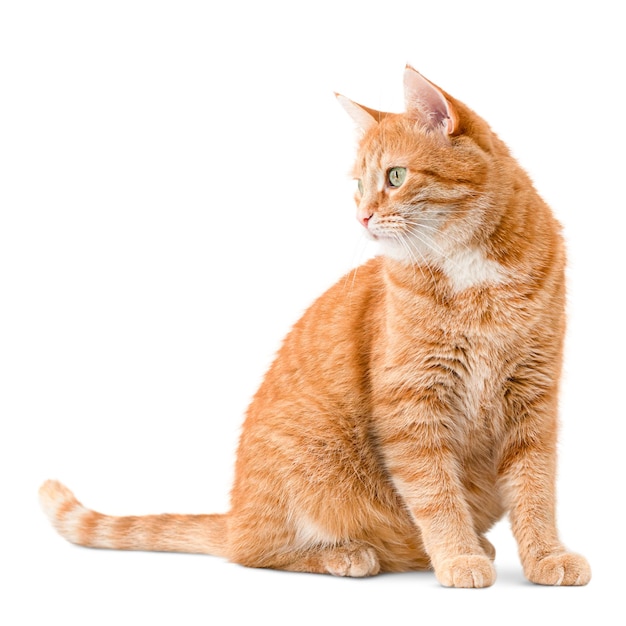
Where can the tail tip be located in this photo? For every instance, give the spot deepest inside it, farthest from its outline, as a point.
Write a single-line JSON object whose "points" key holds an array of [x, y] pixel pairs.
{"points": [[53, 495]]}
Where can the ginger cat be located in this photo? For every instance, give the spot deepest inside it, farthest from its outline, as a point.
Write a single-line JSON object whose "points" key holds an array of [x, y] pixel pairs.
{"points": [[415, 404]]}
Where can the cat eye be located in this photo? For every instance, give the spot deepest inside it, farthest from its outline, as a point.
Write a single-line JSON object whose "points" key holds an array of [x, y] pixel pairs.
{"points": [[396, 176], [360, 186]]}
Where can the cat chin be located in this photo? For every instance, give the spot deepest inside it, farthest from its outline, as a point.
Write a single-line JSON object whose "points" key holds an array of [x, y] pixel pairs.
{"points": [[409, 252], [395, 252]]}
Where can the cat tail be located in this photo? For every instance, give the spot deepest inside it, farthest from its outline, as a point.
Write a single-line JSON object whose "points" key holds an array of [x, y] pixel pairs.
{"points": [[200, 534]]}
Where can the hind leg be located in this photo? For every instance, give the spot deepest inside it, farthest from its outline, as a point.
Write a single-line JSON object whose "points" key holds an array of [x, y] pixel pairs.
{"points": [[353, 558], [297, 550]]}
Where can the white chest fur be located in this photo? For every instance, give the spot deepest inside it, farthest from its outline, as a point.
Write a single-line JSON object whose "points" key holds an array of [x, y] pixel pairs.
{"points": [[471, 268]]}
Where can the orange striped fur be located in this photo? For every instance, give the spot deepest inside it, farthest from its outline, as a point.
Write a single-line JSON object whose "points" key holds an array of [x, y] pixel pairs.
{"points": [[415, 403]]}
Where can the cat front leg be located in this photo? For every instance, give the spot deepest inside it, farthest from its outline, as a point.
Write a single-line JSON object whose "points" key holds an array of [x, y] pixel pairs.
{"points": [[528, 472], [424, 470]]}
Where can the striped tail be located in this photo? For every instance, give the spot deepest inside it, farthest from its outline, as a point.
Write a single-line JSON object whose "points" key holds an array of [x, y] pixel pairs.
{"points": [[200, 534]]}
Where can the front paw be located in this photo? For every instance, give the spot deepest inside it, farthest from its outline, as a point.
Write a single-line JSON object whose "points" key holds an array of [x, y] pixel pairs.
{"points": [[559, 569], [466, 571]]}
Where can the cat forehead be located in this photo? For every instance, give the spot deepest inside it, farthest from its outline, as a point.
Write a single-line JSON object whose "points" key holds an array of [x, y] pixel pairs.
{"points": [[395, 142]]}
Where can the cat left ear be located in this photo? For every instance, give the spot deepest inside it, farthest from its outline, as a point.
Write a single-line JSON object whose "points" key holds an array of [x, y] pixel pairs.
{"points": [[364, 117], [427, 102]]}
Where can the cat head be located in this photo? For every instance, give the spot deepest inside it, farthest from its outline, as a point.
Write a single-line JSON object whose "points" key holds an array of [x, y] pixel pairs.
{"points": [[427, 179]]}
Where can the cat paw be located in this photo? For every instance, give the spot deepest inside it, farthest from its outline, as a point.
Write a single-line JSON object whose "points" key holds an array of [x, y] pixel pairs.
{"points": [[560, 569], [467, 571], [352, 560]]}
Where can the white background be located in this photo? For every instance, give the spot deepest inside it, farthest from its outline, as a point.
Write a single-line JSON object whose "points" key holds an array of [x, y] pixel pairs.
{"points": [[174, 192]]}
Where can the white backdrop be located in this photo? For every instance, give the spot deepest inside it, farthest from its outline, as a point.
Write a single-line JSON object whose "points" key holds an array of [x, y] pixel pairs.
{"points": [[174, 192]]}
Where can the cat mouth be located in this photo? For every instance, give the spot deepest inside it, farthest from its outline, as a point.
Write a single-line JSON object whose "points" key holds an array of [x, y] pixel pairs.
{"points": [[388, 227], [381, 234], [377, 236]]}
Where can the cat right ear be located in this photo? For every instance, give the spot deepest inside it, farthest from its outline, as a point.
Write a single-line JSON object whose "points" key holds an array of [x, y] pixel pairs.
{"points": [[364, 117], [426, 102]]}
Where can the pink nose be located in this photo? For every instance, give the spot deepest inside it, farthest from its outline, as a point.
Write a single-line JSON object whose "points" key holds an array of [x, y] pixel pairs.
{"points": [[364, 218]]}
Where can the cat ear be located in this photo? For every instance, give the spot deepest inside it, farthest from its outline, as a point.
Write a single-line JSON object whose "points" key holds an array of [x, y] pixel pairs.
{"points": [[364, 117], [427, 102]]}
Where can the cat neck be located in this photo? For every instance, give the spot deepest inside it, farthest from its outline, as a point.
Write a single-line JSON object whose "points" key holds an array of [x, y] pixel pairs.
{"points": [[447, 275]]}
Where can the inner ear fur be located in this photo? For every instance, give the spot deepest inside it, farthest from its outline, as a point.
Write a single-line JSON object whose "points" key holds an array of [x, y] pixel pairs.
{"points": [[427, 103]]}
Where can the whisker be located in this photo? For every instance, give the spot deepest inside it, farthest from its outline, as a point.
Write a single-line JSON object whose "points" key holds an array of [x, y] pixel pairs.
{"points": [[412, 259], [429, 243], [412, 250], [443, 233], [439, 251], [357, 255]]}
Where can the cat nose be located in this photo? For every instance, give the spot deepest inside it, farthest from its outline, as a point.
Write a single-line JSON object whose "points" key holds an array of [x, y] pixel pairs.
{"points": [[364, 217]]}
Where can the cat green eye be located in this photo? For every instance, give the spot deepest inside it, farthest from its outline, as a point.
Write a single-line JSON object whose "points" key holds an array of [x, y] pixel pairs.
{"points": [[396, 176], [360, 186]]}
